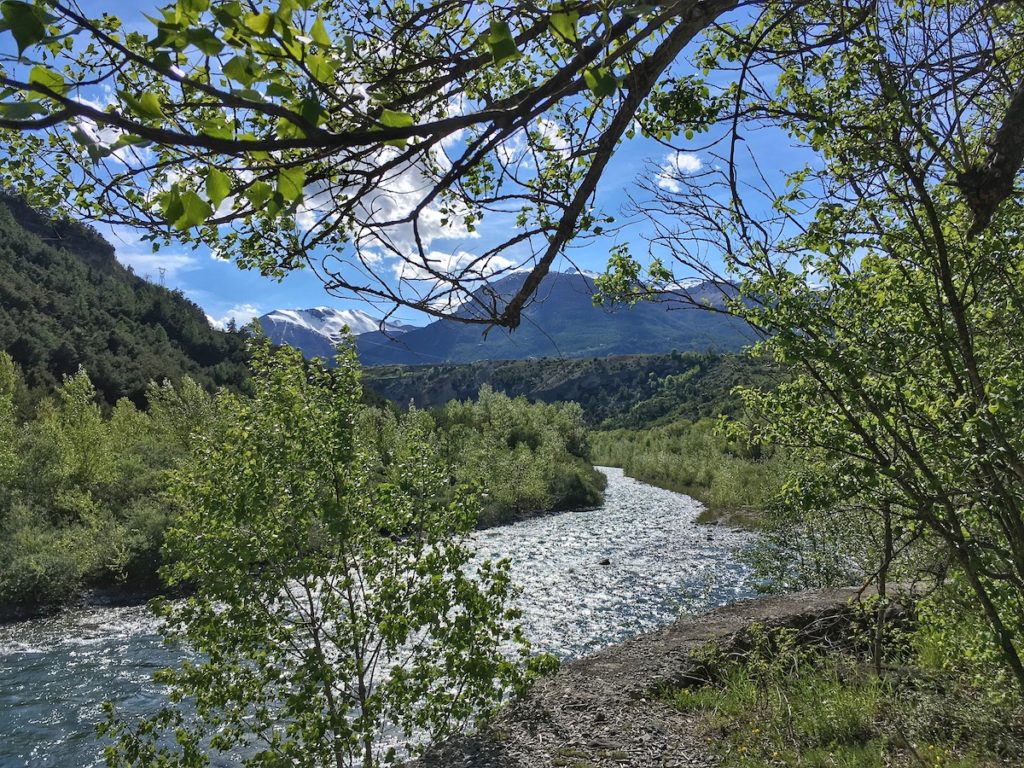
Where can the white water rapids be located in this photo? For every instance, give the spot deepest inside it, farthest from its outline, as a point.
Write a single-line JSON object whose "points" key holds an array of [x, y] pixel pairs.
{"points": [[56, 672]]}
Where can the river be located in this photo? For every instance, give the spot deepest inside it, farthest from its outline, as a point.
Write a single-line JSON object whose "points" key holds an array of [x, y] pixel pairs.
{"points": [[56, 672]]}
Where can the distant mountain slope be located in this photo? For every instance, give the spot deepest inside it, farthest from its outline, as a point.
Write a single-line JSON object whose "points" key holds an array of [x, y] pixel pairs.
{"points": [[619, 391], [65, 301], [563, 322], [317, 331]]}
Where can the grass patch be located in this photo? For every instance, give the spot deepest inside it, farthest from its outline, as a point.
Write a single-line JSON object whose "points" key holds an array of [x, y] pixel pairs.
{"points": [[785, 705]]}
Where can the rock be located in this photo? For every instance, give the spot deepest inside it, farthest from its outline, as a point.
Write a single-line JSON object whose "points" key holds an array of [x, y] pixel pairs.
{"points": [[606, 561]]}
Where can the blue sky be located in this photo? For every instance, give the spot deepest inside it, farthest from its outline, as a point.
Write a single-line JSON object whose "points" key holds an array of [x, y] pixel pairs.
{"points": [[224, 291]]}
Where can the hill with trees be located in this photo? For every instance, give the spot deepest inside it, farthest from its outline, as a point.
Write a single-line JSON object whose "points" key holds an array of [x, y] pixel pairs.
{"points": [[627, 391], [66, 302]]}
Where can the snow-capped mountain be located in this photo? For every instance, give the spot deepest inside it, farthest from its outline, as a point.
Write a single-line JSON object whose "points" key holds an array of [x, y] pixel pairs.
{"points": [[316, 331]]}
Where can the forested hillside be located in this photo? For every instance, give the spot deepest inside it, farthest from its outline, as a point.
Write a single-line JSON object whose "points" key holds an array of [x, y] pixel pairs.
{"points": [[66, 302], [621, 391]]}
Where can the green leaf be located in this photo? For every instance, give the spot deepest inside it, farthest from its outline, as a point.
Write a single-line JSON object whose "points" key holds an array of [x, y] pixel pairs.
{"points": [[205, 41], [194, 6], [501, 43], [128, 140], [601, 81], [258, 193], [280, 91], [22, 110], [311, 111], [391, 119], [319, 33], [290, 183], [227, 14], [215, 128], [241, 69], [195, 211], [321, 68], [146, 106], [170, 205], [563, 25], [47, 78], [218, 186], [261, 24], [24, 22]]}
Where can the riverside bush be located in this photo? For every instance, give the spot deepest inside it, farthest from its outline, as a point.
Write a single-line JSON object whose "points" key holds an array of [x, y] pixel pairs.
{"points": [[697, 459], [83, 499], [81, 504], [527, 457]]}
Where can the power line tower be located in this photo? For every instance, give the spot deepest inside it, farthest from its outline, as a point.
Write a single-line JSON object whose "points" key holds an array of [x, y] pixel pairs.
{"points": [[163, 274]]}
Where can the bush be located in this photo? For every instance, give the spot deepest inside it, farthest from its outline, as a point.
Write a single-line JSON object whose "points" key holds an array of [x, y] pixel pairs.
{"points": [[787, 704]]}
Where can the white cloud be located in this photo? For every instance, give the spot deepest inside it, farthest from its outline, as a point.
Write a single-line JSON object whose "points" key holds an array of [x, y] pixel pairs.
{"points": [[382, 225], [163, 266], [549, 130], [464, 268], [158, 267], [91, 133], [459, 263], [240, 313], [674, 167]]}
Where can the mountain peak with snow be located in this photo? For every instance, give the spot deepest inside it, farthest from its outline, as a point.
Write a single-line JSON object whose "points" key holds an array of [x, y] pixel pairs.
{"points": [[317, 331]]}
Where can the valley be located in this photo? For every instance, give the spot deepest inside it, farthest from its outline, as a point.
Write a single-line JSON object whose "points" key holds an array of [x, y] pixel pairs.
{"points": [[512, 384]]}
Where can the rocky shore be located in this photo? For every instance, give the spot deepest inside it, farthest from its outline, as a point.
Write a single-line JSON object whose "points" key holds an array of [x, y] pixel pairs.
{"points": [[603, 711]]}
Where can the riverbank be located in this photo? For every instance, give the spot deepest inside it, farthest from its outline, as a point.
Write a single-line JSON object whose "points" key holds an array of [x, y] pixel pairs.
{"points": [[733, 480], [132, 594], [607, 710], [113, 596]]}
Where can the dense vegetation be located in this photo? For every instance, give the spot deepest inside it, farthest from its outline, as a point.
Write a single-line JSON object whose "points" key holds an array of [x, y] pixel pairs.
{"points": [[630, 391], [83, 500], [527, 457], [65, 302], [819, 701], [734, 479]]}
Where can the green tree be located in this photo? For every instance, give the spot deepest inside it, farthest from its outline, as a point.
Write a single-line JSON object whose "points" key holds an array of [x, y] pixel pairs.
{"points": [[8, 427], [275, 134], [82, 495], [336, 606], [527, 457], [893, 299]]}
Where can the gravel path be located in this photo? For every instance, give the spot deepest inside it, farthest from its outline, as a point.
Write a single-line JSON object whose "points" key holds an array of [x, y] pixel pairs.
{"points": [[603, 710]]}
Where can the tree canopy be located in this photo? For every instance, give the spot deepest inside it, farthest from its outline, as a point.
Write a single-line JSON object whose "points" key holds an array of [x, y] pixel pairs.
{"points": [[888, 281], [349, 136]]}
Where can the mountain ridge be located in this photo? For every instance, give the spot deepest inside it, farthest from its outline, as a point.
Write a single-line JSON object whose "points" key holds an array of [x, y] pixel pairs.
{"points": [[562, 321], [318, 330]]}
